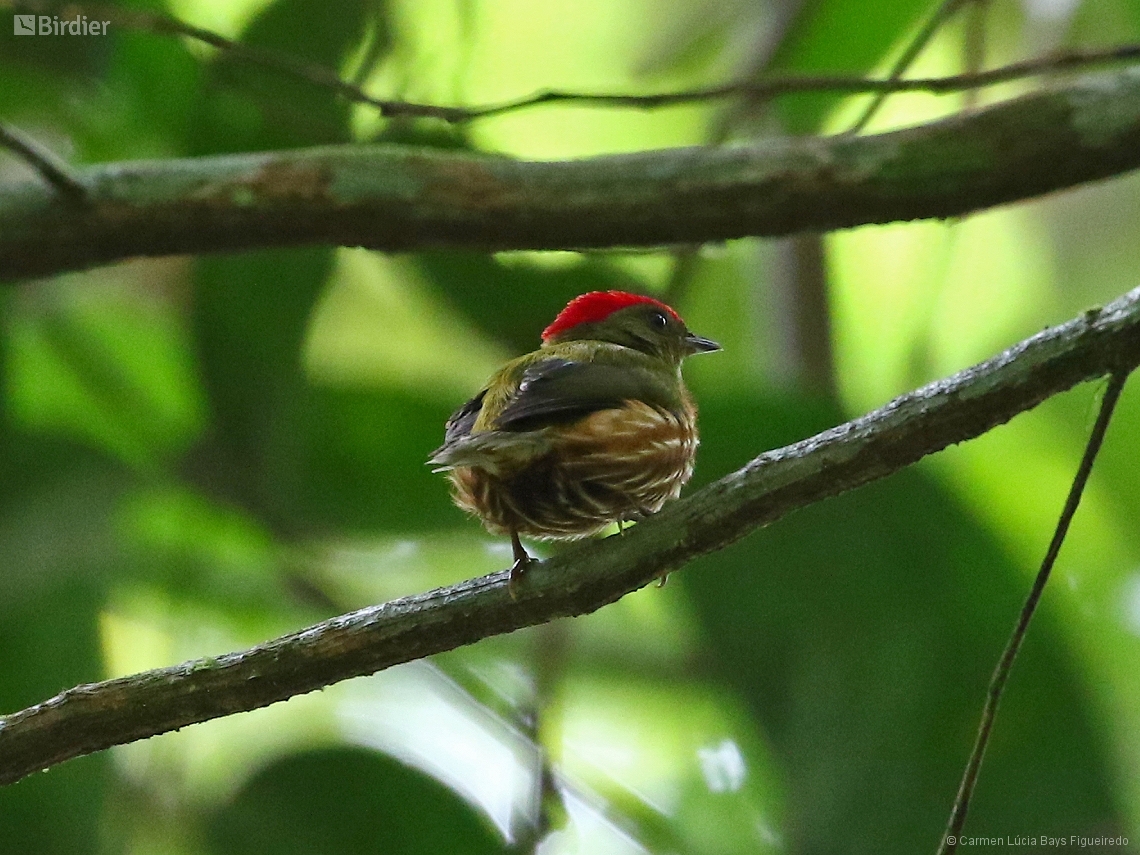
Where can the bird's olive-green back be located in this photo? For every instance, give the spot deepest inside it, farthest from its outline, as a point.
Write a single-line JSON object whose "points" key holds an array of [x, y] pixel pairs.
{"points": [[566, 379]]}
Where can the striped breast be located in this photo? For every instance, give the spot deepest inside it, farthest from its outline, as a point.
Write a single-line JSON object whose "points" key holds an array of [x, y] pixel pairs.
{"points": [[610, 465]]}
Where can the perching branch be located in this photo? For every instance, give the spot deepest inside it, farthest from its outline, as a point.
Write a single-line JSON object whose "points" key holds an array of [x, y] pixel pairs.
{"points": [[93, 717], [396, 198]]}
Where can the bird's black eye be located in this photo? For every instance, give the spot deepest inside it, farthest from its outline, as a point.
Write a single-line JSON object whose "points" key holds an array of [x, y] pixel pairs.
{"points": [[659, 320]]}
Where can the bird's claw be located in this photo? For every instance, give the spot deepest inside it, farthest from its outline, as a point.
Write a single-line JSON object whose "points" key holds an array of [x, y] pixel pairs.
{"points": [[516, 574], [637, 515], [522, 561]]}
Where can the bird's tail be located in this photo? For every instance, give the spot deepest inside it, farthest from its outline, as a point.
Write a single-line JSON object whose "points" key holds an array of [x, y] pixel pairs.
{"points": [[497, 452]]}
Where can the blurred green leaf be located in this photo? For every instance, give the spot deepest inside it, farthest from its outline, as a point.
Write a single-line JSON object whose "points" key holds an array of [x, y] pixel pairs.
{"points": [[202, 552], [250, 107], [346, 801], [144, 112], [111, 371], [250, 315], [1108, 22], [364, 463]]}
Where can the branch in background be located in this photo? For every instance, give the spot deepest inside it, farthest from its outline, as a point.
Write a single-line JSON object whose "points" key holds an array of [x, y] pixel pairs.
{"points": [[398, 198], [311, 72], [922, 38], [802, 309], [92, 717], [952, 837], [974, 46], [768, 90], [319, 75], [51, 169]]}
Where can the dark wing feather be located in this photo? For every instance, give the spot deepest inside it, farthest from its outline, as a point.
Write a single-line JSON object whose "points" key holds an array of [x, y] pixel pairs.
{"points": [[557, 391], [463, 419]]}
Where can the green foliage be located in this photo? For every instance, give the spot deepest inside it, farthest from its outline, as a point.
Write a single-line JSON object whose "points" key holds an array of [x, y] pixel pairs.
{"points": [[296, 806], [199, 455], [837, 37]]}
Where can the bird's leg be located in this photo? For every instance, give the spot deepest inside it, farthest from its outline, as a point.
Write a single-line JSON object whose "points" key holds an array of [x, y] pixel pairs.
{"points": [[637, 515], [522, 561], [632, 516]]}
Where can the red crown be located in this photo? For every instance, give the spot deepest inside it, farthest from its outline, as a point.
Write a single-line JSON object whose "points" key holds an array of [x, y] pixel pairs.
{"points": [[597, 306]]}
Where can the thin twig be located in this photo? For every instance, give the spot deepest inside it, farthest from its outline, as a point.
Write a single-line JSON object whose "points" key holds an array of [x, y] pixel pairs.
{"points": [[51, 168], [1005, 664], [318, 75], [312, 72], [776, 87], [755, 90], [974, 47], [921, 39]]}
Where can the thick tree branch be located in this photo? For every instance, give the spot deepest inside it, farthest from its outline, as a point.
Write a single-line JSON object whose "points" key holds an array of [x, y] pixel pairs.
{"points": [[93, 717], [399, 199]]}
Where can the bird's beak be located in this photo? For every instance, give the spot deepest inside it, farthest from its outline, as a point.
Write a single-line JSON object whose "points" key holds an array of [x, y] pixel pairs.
{"points": [[697, 344]]}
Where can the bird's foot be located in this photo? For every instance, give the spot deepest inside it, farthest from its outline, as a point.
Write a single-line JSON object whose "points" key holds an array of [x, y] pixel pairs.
{"points": [[517, 571], [634, 516], [638, 514], [522, 561]]}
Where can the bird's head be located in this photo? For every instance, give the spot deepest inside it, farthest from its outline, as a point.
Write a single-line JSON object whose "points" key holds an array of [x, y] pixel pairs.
{"points": [[630, 320]]}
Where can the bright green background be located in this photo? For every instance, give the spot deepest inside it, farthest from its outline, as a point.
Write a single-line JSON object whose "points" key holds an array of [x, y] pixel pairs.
{"points": [[199, 454]]}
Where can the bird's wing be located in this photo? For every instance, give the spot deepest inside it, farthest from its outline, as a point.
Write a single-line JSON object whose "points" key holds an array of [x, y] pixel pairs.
{"points": [[463, 419], [559, 390], [488, 450]]}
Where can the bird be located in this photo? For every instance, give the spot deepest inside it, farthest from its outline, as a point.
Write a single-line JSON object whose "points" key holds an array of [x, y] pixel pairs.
{"points": [[594, 427]]}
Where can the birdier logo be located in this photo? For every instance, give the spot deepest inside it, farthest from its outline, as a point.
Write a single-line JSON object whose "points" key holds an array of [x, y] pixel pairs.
{"points": [[53, 25]]}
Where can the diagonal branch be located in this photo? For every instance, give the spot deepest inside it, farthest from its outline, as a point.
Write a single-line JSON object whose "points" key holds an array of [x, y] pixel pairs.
{"points": [[93, 717], [394, 198]]}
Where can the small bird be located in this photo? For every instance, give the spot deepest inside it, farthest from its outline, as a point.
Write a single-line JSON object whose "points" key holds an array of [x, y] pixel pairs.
{"points": [[594, 427]]}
